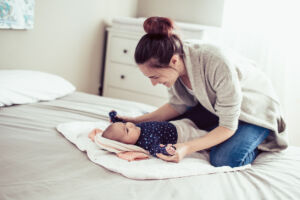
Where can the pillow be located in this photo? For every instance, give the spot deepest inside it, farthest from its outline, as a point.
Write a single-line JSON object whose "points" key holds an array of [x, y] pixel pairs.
{"points": [[26, 86]]}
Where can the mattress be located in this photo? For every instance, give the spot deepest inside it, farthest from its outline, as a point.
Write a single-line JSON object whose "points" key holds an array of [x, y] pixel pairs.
{"points": [[37, 162]]}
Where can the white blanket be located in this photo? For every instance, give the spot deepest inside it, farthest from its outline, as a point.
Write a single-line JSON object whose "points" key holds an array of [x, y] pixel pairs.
{"points": [[153, 168]]}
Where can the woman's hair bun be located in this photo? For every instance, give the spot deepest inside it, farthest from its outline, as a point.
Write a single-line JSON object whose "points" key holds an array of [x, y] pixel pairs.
{"points": [[159, 25]]}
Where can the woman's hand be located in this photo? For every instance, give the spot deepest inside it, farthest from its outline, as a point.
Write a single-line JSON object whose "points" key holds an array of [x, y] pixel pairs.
{"points": [[180, 152]]}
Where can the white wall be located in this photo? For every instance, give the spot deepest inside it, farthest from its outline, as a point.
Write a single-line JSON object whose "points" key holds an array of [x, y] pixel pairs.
{"points": [[206, 12], [67, 39], [292, 93], [68, 36]]}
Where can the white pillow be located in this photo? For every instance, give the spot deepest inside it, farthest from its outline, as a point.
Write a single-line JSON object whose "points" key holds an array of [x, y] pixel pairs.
{"points": [[26, 86]]}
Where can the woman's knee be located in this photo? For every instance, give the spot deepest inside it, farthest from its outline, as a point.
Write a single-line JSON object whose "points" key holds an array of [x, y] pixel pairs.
{"points": [[217, 161], [234, 159]]}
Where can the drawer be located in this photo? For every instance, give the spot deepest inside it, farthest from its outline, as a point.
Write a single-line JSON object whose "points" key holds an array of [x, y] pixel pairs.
{"points": [[132, 79], [132, 96], [122, 50]]}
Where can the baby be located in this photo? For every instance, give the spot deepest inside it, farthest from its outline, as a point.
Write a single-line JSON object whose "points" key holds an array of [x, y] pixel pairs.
{"points": [[151, 136]]}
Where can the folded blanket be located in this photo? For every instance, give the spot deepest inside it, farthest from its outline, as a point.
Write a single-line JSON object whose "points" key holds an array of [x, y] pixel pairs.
{"points": [[152, 168], [115, 146], [127, 152]]}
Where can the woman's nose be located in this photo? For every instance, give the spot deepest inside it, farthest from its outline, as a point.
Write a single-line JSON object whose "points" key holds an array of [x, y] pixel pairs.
{"points": [[154, 82]]}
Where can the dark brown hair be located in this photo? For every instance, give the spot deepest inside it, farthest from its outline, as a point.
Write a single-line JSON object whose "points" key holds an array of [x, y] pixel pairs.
{"points": [[160, 43]]}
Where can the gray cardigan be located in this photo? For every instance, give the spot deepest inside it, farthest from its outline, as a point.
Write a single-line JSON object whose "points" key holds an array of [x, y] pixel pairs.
{"points": [[232, 88]]}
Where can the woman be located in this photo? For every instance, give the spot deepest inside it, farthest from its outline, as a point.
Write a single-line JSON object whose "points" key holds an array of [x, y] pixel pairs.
{"points": [[222, 93]]}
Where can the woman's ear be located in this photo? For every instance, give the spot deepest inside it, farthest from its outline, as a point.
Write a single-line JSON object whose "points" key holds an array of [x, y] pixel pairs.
{"points": [[174, 60], [175, 63]]}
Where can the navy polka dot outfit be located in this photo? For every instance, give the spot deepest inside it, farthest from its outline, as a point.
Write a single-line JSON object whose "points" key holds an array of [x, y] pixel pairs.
{"points": [[153, 134]]}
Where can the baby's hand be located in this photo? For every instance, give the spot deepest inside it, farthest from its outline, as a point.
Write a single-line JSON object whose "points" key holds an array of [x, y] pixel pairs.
{"points": [[114, 117], [170, 149], [93, 133]]}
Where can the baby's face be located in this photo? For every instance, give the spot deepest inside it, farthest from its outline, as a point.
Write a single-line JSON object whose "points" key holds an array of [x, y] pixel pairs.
{"points": [[127, 133]]}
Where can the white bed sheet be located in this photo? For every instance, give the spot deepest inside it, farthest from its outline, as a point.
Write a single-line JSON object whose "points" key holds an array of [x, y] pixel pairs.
{"points": [[37, 162]]}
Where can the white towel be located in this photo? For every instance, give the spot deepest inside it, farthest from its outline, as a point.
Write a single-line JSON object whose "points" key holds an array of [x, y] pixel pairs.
{"points": [[152, 168], [127, 152]]}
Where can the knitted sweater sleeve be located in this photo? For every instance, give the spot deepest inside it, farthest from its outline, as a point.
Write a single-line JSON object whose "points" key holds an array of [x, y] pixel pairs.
{"points": [[223, 79]]}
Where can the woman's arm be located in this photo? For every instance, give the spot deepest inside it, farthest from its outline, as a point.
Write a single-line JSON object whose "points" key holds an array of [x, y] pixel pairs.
{"points": [[163, 113], [213, 138]]}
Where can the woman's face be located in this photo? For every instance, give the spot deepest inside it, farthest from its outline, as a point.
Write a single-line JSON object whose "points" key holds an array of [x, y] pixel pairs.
{"points": [[167, 75]]}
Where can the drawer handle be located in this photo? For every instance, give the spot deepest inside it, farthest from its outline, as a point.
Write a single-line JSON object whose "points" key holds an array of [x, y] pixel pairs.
{"points": [[122, 77], [125, 51]]}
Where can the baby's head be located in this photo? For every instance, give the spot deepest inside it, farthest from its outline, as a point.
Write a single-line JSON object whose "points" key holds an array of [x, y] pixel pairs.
{"points": [[127, 133]]}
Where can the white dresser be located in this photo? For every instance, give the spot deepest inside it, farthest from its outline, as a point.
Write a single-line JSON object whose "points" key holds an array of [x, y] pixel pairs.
{"points": [[122, 78]]}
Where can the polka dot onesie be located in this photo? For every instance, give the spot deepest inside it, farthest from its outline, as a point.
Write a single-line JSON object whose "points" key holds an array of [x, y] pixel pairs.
{"points": [[153, 134]]}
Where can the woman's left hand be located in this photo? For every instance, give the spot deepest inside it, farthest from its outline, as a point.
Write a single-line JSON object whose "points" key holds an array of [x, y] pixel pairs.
{"points": [[180, 153]]}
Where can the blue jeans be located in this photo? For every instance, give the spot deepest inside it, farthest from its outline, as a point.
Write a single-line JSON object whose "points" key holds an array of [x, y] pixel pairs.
{"points": [[241, 148], [238, 150]]}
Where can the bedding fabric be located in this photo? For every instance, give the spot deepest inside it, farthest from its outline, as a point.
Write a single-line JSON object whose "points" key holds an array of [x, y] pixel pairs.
{"points": [[37, 162], [152, 168], [27, 86]]}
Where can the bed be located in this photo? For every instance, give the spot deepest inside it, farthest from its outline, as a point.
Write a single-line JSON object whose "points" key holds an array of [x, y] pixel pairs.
{"points": [[37, 162]]}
